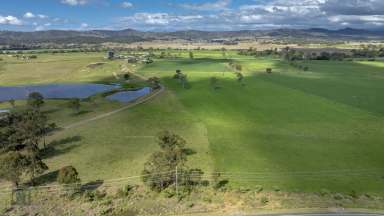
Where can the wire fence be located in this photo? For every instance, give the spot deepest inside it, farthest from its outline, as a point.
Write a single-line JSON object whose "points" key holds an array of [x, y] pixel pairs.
{"points": [[24, 195]]}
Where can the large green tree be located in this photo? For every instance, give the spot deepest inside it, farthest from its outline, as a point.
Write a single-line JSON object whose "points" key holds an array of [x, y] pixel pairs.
{"points": [[159, 169]]}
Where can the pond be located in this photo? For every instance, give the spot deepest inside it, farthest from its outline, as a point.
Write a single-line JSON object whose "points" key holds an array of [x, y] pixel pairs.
{"points": [[129, 96], [54, 91], [4, 111]]}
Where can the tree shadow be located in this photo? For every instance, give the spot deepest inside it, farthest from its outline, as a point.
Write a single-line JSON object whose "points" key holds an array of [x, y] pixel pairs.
{"points": [[46, 178], [82, 112], [62, 146], [93, 185], [51, 111], [189, 151]]}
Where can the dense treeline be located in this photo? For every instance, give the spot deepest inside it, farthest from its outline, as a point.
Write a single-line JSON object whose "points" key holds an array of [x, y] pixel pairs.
{"points": [[292, 54]]}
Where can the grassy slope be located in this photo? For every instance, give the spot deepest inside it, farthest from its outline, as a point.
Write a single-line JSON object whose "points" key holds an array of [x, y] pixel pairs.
{"points": [[119, 145], [273, 125]]}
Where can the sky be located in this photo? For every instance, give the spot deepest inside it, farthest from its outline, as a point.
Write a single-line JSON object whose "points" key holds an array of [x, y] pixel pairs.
{"points": [[173, 15]]}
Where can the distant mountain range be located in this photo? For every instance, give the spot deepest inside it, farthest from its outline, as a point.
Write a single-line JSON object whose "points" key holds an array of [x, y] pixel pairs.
{"points": [[130, 35]]}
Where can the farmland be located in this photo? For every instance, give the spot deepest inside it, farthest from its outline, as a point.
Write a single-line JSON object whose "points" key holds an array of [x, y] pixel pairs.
{"points": [[291, 130]]}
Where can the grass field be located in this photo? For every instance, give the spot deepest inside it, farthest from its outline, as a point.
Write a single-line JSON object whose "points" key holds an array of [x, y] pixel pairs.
{"points": [[292, 130]]}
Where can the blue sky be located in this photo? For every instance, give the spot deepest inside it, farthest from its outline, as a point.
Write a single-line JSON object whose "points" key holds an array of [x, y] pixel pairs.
{"points": [[171, 15]]}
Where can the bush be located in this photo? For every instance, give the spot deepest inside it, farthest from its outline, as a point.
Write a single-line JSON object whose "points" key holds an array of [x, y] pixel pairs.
{"points": [[354, 194], [338, 196], [68, 175], [258, 188], [125, 191], [264, 200], [276, 188], [324, 192]]}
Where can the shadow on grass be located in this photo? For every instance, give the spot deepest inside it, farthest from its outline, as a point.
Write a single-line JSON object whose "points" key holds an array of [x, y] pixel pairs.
{"points": [[46, 178], [61, 146], [189, 151], [93, 185], [82, 112], [51, 111]]}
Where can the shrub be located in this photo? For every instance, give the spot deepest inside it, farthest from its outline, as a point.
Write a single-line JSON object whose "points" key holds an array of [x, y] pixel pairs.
{"points": [[68, 175], [264, 200], [324, 192], [258, 188], [125, 191], [276, 188], [338, 196], [354, 194]]}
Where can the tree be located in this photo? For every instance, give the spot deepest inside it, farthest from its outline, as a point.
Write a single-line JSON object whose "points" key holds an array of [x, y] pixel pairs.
{"points": [[170, 141], [27, 129], [68, 175], [74, 104], [191, 56], [35, 100], [178, 74], [160, 166], [12, 103], [12, 166], [127, 76]]}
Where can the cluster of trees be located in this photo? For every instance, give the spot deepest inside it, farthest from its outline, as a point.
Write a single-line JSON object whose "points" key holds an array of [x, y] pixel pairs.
{"points": [[183, 78], [368, 52], [254, 52], [292, 54], [167, 167], [21, 134]]}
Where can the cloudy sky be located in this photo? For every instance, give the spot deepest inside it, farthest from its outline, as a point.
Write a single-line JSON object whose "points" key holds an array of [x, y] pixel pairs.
{"points": [[170, 15]]}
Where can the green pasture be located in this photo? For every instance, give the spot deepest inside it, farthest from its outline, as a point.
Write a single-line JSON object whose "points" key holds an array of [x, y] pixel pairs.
{"points": [[291, 130]]}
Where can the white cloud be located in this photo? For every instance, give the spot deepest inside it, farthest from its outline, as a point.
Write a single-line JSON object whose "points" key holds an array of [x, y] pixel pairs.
{"points": [[42, 16], [10, 20], [126, 5], [29, 15], [84, 25], [156, 19], [74, 2], [40, 28], [209, 6]]}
